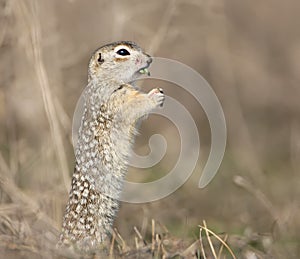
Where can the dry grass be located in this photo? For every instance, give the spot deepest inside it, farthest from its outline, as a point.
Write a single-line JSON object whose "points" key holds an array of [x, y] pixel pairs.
{"points": [[248, 51]]}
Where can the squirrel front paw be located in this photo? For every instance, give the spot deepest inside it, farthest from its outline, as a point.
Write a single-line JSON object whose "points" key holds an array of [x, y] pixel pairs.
{"points": [[157, 95]]}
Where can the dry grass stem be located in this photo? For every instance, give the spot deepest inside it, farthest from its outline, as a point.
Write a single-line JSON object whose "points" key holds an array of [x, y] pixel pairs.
{"points": [[160, 35], [30, 14], [111, 250], [153, 235], [262, 198], [209, 240], [201, 244], [220, 239], [222, 246]]}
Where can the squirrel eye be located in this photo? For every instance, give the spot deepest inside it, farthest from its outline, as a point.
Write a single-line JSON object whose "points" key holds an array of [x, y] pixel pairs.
{"points": [[123, 52], [100, 60]]}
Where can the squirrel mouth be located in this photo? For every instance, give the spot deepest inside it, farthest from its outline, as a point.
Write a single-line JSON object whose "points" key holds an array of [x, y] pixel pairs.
{"points": [[144, 71], [141, 71]]}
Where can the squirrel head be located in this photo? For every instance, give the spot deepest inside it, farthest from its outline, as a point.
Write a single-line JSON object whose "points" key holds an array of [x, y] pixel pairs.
{"points": [[121, 61]]}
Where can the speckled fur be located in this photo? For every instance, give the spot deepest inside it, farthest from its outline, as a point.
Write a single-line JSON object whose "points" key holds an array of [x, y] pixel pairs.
{"points": [[111, 110]]}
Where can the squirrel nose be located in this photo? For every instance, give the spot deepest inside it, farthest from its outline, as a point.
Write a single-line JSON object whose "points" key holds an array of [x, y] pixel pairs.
{"points": [[149, 61]]}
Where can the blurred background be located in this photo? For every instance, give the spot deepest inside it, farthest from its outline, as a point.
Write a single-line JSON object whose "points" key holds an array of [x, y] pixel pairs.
{"points": [[248, 51]]}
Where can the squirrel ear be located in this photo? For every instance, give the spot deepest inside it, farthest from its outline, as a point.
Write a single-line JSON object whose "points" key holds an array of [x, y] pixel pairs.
{"points": [[100, 60]]}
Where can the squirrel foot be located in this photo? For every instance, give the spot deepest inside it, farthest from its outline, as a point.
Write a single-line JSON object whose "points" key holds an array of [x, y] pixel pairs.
{"points": [[157, 95]]}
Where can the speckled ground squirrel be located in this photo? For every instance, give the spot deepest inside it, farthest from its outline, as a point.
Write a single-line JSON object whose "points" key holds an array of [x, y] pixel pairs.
{"points": [[111, 110]]}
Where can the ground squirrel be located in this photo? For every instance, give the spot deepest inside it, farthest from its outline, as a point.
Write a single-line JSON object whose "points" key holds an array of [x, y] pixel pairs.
{"points": [[111, 110]]}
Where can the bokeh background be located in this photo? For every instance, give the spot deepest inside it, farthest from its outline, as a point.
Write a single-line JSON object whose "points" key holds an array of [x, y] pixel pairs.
{"points": [[248, 51]]}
